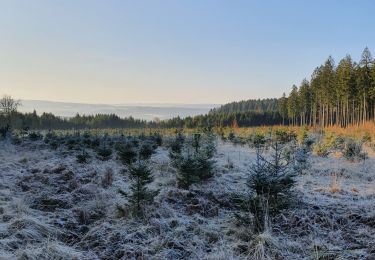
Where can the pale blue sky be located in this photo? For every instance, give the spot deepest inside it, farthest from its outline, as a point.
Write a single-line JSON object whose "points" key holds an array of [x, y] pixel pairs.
{"points": [[202, 51]]}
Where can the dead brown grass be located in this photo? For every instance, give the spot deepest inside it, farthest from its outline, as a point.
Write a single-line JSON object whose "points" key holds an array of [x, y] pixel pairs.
{"points": [[334, 186], [354, 131]]}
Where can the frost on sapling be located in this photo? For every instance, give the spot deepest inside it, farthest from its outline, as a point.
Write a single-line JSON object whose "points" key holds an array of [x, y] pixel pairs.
{"points": [[231, 136], [353, 151], [305, 140], [83, 157], [257, 140], [301, 162], [270, 186], [104, 153], [330, 143], [283, 136], [176, 145], [146, 150], [187, 170], [301, 152], [140, 175], [139, 195], [127, 153], [35, 136]]}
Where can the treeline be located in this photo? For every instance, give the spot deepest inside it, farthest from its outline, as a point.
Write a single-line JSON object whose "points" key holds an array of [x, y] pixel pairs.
{"points": [[221, 119], [335, 95], [50, 121], [256, 105], [101, 121]]}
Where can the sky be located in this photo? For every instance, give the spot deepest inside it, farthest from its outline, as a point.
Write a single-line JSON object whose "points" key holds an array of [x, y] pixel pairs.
{"points": [[170, 51]]}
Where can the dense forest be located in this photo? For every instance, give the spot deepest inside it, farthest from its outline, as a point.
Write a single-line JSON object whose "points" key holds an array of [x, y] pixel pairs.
{"points": [[335, 95], [234, 119], [256, 105]]}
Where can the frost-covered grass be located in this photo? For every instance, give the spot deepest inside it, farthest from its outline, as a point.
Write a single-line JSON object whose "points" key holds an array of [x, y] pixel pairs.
{"points": [[53, 207]]}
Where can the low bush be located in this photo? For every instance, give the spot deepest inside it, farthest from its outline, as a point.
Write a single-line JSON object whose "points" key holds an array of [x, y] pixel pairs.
{"points": [[353, 151], [257, 140], [146, 150], [16, 140], [4, 131], [305, 140], [301, 162], [54, 145], [104, 153], [107, 178], [231, 136], [127, 153], [83, 157], [95, 142], [86, 139], [283, 136], [333, 142], [177, 144], [366, 138], [72, 142], [35, 136], [321, 150], [157, 138]]}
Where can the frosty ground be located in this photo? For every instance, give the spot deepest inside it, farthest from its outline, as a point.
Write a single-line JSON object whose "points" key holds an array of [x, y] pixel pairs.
{"points": [[52, 207]]}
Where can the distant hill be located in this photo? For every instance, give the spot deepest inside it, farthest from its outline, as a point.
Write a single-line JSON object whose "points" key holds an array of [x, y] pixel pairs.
{"points": [[139, 111]]}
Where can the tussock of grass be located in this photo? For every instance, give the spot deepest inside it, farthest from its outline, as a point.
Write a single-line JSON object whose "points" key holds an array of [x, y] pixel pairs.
{"points": [[263, 247], [334, 186]]}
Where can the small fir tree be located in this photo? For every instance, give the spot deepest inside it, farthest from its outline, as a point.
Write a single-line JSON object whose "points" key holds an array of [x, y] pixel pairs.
{"points": [[83, 157], [270, 185], [140, 196], [104, 153], [176, 146], [127, 153], [195, 161], [146, 150]]}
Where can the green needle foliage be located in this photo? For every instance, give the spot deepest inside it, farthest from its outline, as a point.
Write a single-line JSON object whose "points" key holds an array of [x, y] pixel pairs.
{"points": [[127, 153], [104, 153], [353, 151], [146, 150], [140, 196], [196, 142], [270, 185], [194, 160], [83, 157], [188, 171], [177, 144]]}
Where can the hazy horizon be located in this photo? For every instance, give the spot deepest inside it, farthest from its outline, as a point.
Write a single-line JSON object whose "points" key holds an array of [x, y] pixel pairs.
{"points": [[123, 104], [139, 111], [118, 52]]}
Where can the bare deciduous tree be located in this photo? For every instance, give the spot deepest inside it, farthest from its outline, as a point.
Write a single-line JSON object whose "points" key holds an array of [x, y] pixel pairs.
{"points": [[8, 105]]}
